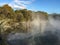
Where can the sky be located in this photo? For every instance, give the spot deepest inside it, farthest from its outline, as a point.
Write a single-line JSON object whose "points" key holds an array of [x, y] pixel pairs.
{"points": [[49, 6]]}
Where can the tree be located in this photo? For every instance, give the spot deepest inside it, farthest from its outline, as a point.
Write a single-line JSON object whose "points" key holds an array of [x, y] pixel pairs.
{"points": [[27, 14], [7, 11]]}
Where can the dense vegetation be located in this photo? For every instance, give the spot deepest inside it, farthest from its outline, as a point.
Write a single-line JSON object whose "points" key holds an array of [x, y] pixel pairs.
{"points": [[17, 16]]}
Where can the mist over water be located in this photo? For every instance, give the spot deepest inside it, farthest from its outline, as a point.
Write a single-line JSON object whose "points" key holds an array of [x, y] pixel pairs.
{"points": [[42, 32]]}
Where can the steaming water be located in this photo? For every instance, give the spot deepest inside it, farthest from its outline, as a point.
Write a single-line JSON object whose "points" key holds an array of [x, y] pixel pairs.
{"points": [[38, 27], [55, 22]]}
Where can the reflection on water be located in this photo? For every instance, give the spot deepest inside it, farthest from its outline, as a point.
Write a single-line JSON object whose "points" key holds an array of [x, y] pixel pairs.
{"points": [[48, 38]]}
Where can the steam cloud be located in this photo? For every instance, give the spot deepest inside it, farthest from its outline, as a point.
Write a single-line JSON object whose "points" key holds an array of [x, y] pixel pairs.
{"points": [[49, 35]]}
